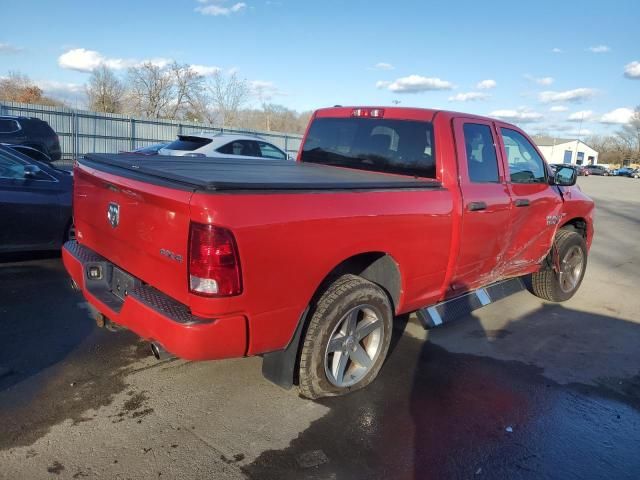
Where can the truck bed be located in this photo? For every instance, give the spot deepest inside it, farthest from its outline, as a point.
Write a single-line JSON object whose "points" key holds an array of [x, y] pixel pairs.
{"points": [[225, 174]]}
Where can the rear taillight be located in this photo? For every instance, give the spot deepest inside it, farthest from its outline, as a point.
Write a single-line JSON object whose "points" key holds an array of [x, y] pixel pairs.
{"points": [[214, 266]]}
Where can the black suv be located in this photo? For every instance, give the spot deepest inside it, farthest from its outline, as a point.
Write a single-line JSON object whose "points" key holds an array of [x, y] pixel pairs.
{"points": [[31, 132]]}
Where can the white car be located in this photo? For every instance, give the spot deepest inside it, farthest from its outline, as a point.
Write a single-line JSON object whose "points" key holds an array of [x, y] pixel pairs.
{"points": [[222, 145]]}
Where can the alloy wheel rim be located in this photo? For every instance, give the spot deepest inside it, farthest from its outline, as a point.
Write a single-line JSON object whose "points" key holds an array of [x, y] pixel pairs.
{"points": [[571, 267], [354, 346]]}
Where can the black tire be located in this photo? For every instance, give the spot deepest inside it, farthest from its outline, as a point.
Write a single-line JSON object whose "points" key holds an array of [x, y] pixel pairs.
{"points": [[346, 295], [547, 283]]}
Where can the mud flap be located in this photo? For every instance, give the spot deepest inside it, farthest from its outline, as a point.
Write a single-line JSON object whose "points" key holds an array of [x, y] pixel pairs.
{"points": [[280, 367], [463, 305]]}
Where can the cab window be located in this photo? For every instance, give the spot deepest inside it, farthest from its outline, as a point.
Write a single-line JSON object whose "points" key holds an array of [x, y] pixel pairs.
{"points": [[482, 161], [525, 165]]}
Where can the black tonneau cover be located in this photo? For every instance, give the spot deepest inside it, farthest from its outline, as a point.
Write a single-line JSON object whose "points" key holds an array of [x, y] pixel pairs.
{"points": [[230, 173]]}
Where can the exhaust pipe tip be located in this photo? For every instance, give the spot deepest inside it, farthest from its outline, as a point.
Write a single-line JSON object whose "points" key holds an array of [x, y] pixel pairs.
{"points": [[159, 352]]}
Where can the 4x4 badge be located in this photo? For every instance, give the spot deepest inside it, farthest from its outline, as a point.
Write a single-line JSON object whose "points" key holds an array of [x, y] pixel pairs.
{"points": [[113, 214]]}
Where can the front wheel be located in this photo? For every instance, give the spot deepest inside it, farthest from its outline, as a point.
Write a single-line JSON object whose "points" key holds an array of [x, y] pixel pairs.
{"points": [[561, 281], [347, 338]]}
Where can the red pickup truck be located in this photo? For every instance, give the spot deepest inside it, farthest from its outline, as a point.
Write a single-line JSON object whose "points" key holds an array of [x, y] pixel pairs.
{"points": [[387, 211]]}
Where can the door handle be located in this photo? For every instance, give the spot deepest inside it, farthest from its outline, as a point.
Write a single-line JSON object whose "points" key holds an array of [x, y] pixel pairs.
{"points": [[476, 206], [522, 202]]}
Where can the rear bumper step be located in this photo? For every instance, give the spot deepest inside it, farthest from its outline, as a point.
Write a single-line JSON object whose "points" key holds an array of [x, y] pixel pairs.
{"points": [[463, 305], [153, 315]]}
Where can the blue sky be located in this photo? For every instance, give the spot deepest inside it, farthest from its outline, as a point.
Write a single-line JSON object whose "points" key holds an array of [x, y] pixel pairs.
{"points": [[541, 62]]}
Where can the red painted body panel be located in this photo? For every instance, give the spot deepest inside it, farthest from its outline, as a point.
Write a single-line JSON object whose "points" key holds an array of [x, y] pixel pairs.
{"points": [[289, 242]]}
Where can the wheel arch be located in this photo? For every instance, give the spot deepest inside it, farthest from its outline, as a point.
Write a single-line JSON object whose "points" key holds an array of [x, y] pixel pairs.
{"points": [[579, 224], [378, 267]]}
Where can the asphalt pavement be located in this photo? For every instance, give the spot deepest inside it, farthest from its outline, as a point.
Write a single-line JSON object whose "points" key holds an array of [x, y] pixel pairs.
{"points": [[521, 389]]}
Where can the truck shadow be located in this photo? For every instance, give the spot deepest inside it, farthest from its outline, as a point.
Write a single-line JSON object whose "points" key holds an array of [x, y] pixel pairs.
{"points": [[40, 322], [507, 403], [55, 364]]}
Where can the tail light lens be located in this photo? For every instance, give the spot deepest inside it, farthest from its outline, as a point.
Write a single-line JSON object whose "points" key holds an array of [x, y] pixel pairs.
{"points": [[214, 266]]}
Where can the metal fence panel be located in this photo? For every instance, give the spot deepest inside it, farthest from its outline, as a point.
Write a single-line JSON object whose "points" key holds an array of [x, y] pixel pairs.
{"points": [[82, 131]]}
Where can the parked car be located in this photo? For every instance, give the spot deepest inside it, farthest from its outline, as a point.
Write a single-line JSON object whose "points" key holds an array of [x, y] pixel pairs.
{"points": [[149, 149], [388, 211], [625, 172], [222, 145], [636, 173], [31, 132], [597, 170], [36, 203], [580, 170]]}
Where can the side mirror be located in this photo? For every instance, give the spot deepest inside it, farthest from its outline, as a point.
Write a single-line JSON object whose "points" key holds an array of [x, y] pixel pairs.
{"points": [[31, 171], [565, 176]]}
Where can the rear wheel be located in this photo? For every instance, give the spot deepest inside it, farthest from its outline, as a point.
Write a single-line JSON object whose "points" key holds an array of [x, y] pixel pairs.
{"points": [[347, 338], [560, 282]]}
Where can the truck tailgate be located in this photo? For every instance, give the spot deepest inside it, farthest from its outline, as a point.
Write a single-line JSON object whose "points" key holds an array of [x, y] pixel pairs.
{"points": [[149, 238]]}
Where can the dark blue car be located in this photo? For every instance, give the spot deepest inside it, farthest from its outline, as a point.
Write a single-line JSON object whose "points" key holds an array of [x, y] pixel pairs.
{"points": [[35, 203]]}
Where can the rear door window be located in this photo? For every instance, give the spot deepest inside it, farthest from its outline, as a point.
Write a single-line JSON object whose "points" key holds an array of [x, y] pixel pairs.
{"points": [[482, 161], [8, 126], [245, 148], [188, 143], [403, 147], [269, 151], [525, 165]]}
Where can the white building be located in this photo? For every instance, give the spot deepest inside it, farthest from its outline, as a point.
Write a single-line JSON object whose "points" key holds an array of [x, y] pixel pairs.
{"points": [[562, 150]]}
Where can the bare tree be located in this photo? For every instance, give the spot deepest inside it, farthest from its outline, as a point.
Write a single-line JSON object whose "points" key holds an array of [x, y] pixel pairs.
{"points": [[17, 87], [228, 95], [629, 135], [150, 90], [105, 92], [187, 87]]}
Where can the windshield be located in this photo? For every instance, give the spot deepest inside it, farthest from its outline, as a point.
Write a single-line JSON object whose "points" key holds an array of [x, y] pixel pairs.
{"points": [[393, 146]]}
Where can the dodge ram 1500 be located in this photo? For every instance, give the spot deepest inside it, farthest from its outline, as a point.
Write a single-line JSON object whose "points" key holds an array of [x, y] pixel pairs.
{"points": [[387, 211]]}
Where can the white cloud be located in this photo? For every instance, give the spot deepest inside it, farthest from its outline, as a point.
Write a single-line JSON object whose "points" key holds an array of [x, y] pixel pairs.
{"points": [[67, 92], [558, 108], [619, 115], [575, 95], [7, 48], [599, 49], [415, 84], [469, 96], [486, 84], [205, 70], [264, 90], [580, 116], [218, 8], [632, 70], [521, 115], [383, 66], [540, 80], [84, 60], [556, 50]]}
